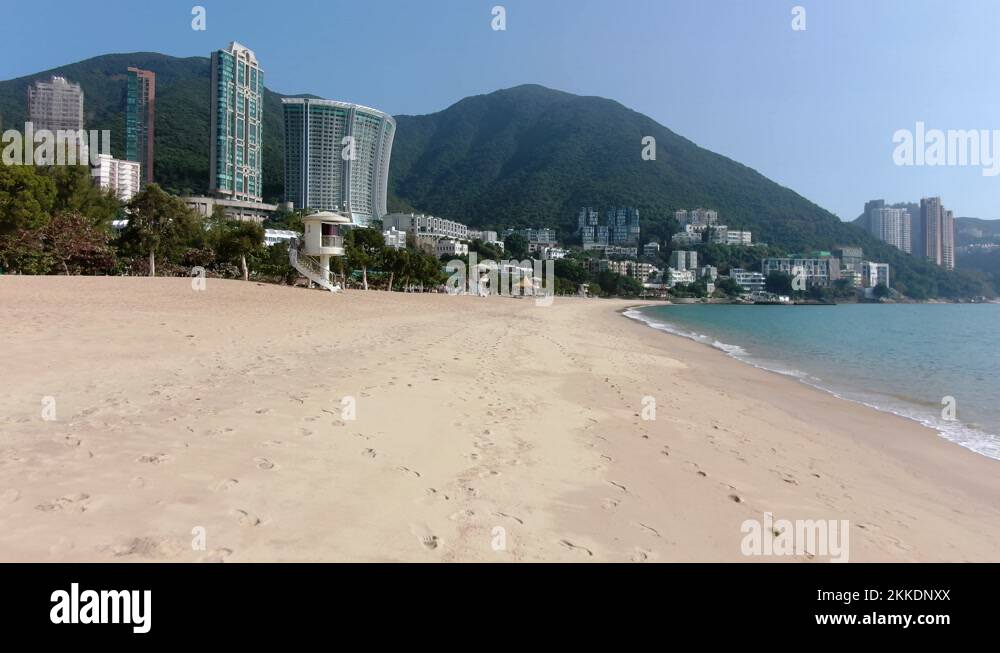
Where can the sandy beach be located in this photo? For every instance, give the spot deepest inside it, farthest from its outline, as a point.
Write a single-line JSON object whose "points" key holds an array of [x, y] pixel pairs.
{"points": [[141, 420]]}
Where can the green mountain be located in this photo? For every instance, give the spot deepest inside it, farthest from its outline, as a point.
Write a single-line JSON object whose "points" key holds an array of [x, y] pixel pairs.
{"points": [[527, 155], [530, 155]]}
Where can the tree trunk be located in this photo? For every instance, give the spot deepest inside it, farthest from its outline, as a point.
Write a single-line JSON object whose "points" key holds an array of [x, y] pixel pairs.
{"points": [[243, 262], [152, 263], [364, 276], [391, 274]]}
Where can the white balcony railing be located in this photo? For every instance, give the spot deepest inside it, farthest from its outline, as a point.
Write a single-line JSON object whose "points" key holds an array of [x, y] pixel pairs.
{"points": [[333, 241]]}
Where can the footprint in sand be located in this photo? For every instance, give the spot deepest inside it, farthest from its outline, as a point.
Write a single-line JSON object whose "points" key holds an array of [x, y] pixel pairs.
{"points": [[147, 547], [648, 529], [787, 478], [154, 459], [226, 485], [407, 470], [639, 555], [244, 518], [69, 503], [576, 547], [506, 516], [10, 496], [369, 453], [462, 515], [264, 463], [610, 504], [618, 485]]}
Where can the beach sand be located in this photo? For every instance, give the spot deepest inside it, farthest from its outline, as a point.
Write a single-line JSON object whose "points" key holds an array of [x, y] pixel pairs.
{"points": [[216, 426]]}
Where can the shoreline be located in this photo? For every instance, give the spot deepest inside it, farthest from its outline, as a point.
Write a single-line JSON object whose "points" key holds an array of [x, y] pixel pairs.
{"points": [[224, 410], [732, 351]]}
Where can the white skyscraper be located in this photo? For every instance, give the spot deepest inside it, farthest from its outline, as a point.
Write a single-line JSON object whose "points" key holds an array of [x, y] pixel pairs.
{"points": [[337, 157], [892, 226]]}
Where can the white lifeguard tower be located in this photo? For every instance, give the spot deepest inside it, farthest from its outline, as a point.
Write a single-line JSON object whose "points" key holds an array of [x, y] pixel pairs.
{"points": [[322, 239]]}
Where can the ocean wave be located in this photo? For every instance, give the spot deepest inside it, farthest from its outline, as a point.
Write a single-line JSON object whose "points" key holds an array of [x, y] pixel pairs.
{"points": [[966, 435]]}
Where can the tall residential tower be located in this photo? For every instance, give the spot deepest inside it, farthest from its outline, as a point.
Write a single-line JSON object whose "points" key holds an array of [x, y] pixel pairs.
{"points": [[892, 226], [140, 116], [934, 237], [236, 124], [337, 157], [55, 105]]}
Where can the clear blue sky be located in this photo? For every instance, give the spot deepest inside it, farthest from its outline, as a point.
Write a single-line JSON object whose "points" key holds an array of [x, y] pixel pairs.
{"points": [[814, 110]]}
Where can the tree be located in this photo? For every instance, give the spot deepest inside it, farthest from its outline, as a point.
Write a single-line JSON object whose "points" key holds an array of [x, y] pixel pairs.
{"points": [[77, 193], [24, 251], [428, 270], [235, 240], [729, 287], [26, 198], [571, 270], [630, 287], [516, 246], [77, 246], [486, 250], [364, 249], [881, 291], [274, 264], [395, 262], [158, 223], [778, 283]]}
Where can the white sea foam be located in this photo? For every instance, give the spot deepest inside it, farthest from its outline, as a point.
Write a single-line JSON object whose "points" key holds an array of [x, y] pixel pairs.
{"points": [[968, 436]]}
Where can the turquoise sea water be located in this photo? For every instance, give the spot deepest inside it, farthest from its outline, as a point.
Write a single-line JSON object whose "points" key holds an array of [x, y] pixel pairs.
{"points": [[903, 358]]}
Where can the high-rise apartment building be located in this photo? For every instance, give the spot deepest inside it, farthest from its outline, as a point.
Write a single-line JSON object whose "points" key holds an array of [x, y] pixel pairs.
{"points": [[624, 226], [593, 234], [140, 118], [934, 237], [237, 124], [948, 240], [337, 157], [892, 226], [55, 105], [588, 217]]}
